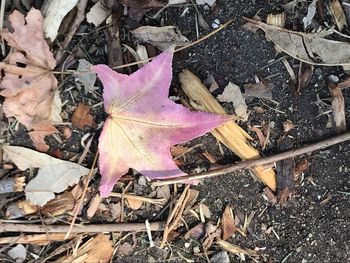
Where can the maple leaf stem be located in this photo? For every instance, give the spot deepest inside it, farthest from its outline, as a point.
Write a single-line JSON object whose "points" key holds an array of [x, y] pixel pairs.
{"points": [[257, 162]]}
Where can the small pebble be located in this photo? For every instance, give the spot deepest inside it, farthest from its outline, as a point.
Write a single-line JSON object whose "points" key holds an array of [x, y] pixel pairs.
{"points": [[216, 23]]}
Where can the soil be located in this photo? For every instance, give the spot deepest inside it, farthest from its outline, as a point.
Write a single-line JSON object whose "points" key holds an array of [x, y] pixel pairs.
{"points": [[314, 226]]}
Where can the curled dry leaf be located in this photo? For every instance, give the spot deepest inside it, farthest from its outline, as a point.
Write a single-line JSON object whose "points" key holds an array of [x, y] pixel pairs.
{"points": [[30, 90], [288, 126], [82, 117], [54, 175], [160, 37], [54, 12], [261, 137], [311, 48], [232, 93]]}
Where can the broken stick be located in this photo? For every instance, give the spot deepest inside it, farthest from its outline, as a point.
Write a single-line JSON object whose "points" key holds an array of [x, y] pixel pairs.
{"points": [[93, 228], [257, 162]]}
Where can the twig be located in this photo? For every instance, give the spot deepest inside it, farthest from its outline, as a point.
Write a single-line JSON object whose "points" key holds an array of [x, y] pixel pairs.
{"points": [[175, 216], [257, 162], [93, 228], [155, 201], [82, 197]]}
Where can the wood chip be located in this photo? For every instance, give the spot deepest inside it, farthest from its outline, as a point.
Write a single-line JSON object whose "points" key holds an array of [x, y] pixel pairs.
{"points": [[228, 223]]}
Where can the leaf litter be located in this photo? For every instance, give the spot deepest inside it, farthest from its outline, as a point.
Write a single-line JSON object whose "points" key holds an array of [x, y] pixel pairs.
{"points": [[123, 205]]}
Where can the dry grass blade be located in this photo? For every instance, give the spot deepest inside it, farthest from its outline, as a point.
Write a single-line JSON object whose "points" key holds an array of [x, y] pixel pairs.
{"points": [[230, 134], [155, 201], [175, 215], [236, 249]]}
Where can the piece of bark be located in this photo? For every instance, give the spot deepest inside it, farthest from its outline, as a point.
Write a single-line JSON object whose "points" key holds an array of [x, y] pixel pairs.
{"points": [[114, 48], [285, 172], [230, 134], [338, 107]]}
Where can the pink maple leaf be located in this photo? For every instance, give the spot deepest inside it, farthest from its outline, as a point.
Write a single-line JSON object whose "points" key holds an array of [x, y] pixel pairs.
{"points": [[143, 123]]}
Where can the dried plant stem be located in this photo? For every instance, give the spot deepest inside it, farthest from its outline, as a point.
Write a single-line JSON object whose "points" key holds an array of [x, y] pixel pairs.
{"points": [[82, 197], [155, 201], [175, 215], [93, 228], [257, 162]]}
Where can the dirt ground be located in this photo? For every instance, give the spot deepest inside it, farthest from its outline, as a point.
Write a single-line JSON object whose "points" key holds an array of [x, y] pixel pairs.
{"points": [[314, 226]]}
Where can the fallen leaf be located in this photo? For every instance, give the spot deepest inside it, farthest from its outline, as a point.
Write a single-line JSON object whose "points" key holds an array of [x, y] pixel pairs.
{"points": [[311, 12], [301, 167], [18, 253], [338, 107], [143, 123], [97, 14], [261, 90], [97, 249], [54, 12], [87, 79], [261, 137], [54, 175], [338, 14], [134, 204], [197, 232], [160, 37], [67, 132], [304, 76], [270, 195], [30, 91], [82, 117], [288, 126], [311, 48], [232, 93], [228, 223], [285, 172]]}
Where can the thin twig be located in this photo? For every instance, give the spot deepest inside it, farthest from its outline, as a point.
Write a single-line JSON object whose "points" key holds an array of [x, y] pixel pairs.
{"points": [[257, 162], [82, 196], [155, 201], [93, 228]]}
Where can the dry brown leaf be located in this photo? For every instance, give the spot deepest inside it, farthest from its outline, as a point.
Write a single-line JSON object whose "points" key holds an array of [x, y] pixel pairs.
{"points": [[338, 107], [178, 150], [228, 223], [301, 167], [311, 48], [288, 126], [270, 195], [134, 204], [29, 90], [304, 76], [97, 249], [338, 14], [192, 198], [261, 137], [285, 172], [82, 117], [261, 90], [160, 37]]}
